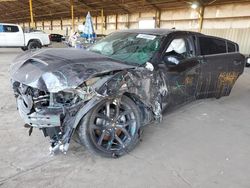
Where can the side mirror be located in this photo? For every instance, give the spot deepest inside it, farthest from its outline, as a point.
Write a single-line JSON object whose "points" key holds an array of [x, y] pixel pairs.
{"points": [[171, 61], [173, 58], [248, 62]]}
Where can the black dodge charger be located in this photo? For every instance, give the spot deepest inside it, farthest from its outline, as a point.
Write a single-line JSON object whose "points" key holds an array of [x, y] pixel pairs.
{"points": [[110, 91]]}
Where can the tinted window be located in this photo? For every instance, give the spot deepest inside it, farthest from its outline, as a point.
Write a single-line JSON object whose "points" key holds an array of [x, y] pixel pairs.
{"points": [[10, 28], [231, 47], [209, 46]]}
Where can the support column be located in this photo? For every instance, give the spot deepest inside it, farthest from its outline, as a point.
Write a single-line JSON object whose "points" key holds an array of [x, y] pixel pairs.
{"points": [[31, 14], [61, 24], [128, 21], [201, 17], [51, 25], [102, 20], [159, 19], [72, 15], [116, 21], [43, 24], [105, 22], [96, 23]]}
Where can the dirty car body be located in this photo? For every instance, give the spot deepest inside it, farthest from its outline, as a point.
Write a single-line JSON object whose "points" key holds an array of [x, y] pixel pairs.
{"points": [[124, 82]]}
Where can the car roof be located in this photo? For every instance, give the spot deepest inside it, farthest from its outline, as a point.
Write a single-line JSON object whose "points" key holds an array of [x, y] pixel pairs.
{"points": [[158, 31]]}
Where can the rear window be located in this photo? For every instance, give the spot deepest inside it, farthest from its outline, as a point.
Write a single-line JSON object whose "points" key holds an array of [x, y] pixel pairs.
{"points": [[210, 46], [10, 28], [231, 47]]}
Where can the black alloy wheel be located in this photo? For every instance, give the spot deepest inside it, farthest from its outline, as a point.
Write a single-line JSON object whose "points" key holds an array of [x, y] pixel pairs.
{"points": [[111, 128]]}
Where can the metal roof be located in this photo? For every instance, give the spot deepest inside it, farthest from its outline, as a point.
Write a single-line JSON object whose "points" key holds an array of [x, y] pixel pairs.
{"points": [[157, 31], [18, 10]]}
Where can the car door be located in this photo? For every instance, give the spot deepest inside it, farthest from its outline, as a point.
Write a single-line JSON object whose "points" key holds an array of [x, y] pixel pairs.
{"points": [[212, 53], [235, 63], [218, 67], [14, 36], [2, 36], [180, 69]]}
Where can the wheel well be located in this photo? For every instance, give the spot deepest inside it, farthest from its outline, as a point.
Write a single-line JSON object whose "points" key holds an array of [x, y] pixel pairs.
{"points": [[146, 112], [34, 40]]}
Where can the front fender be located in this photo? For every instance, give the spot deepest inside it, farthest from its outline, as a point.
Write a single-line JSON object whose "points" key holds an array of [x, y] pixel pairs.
{"points": [[139, 82], [86, 108], [141, 85], [121, 83]]}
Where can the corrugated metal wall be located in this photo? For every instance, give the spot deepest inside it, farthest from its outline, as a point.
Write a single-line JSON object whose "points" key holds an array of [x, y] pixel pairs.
{"points": [[240, 36], [230, 21]]}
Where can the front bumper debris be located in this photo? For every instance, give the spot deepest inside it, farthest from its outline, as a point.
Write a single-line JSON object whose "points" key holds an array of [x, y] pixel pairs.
{"points": [[51, 117]]}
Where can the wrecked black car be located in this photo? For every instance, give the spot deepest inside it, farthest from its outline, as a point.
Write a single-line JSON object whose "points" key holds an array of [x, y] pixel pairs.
{"points": [[109, 92]]}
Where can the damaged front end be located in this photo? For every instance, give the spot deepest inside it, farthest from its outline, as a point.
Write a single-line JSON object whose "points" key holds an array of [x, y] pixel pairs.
{"points": [[57, 103], [58, 114], [55, 113]]}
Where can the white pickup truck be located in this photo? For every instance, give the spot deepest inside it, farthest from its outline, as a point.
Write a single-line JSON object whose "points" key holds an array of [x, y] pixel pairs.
{"points": [[13, 36]]}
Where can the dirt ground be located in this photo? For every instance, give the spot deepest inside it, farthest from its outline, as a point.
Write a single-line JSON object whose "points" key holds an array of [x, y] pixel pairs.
{"points": [[204, 144]]}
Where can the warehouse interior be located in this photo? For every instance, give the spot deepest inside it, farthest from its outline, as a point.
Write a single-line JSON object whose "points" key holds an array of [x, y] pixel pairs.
{"points": [[202, 144], [224, 18]]}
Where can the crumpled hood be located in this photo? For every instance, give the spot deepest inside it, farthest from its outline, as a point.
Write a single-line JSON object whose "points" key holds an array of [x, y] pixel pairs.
{"points": [[54, 70]]}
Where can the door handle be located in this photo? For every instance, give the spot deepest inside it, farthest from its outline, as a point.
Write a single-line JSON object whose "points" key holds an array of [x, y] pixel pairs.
{"points": [[220, 67], [202, 61], [237, 62]]}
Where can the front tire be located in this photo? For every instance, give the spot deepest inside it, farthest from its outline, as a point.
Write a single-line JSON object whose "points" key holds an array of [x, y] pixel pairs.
{"points": [[111, 128]]}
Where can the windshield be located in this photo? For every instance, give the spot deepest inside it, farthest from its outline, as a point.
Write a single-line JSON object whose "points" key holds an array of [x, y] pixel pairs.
{"points": [[132, 48]]}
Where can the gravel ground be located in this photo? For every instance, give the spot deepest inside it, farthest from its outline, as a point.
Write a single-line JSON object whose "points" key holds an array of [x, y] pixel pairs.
{"points": [[203, 144]]}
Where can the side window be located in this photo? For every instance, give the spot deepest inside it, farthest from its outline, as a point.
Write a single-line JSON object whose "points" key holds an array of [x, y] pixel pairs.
{"points": [[178, 50], [178, 46], [181, 46], [10, 28], [1, 28], [231, 47], [210, 46]]}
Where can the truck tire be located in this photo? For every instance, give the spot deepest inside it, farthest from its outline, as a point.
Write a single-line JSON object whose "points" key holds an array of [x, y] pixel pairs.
{"points": [[24, 48], [34, 45]]}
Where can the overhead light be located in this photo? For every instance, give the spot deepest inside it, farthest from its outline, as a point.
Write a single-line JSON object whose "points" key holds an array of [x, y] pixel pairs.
{"points": [[195, 5]]}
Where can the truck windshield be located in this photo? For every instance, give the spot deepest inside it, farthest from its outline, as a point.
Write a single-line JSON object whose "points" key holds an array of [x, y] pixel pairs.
{"points": [[132, 48]]}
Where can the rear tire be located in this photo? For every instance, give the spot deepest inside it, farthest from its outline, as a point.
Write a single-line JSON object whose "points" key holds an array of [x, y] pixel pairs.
{"points": [[111, 129], [34, 45]]}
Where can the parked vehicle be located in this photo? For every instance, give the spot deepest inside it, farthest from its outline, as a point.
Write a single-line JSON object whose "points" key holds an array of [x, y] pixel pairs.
{"points": [[110, 91], [56, 37], [248, 61], [12, 36]]}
